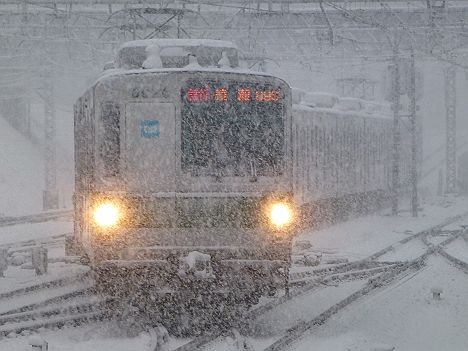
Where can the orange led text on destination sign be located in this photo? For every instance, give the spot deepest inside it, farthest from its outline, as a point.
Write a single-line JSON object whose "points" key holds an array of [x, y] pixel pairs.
{"points": [[244, 94], [267, 95], [220, 94], [198, 94]]}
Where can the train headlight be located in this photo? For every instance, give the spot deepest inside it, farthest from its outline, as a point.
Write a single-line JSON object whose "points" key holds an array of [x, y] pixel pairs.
{"points": [[106, 215], [281, 214]]}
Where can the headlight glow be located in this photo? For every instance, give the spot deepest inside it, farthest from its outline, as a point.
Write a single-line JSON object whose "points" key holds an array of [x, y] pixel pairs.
{"points": [[281, 214], [106, 215]]}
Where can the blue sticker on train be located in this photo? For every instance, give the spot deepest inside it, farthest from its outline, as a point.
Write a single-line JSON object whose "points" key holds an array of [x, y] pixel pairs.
{"points": [[149, 128]]}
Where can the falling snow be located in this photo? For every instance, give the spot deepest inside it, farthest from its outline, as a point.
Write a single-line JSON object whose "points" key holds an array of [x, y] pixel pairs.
{"points": [[231, 175]]}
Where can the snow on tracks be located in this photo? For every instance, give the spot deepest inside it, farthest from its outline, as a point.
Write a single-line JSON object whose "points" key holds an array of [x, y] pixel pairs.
{"points": [[44, 285], [54, 302], [35, 218], [439, 249], [393, 272], [65, 309]]}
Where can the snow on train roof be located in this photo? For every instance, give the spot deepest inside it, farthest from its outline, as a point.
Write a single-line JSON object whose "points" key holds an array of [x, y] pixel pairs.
{"points": [[120, 72], [179, 42], [335, 111], [326, 102], [171, 53]]}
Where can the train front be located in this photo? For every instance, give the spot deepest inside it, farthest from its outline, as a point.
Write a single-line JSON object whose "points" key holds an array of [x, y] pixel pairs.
{"points": [[193, 188]]}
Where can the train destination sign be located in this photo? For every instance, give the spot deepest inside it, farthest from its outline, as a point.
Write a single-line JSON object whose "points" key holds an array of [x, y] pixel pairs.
{"points": [[239, 94]]}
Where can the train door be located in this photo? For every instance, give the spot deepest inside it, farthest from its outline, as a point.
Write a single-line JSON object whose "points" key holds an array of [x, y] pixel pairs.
{"points": [[150, 147]]}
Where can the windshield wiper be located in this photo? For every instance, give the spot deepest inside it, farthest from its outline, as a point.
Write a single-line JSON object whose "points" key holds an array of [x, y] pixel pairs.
{"points": [[253, 171]]}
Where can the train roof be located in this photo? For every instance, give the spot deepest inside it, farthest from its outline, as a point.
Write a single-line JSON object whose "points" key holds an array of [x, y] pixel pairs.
{"points": [[340, 112], [123, 72], [176, 53], [344, 106]]}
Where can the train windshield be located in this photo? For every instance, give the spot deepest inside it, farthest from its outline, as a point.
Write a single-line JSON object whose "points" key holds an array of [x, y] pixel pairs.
{"points": [[232, 129]]}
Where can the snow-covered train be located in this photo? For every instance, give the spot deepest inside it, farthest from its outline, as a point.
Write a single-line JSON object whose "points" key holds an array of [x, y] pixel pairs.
{"points": [[192, 176], [184, 184], [343, 155]]}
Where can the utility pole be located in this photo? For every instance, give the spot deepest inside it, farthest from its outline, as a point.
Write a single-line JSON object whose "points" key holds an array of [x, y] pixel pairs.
{"points": [[414, 144], [396, 130], [50, 196], [451, 144]]}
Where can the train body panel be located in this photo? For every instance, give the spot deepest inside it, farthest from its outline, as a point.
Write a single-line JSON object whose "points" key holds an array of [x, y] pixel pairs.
{"points": [[339, 153], [343, 156]]}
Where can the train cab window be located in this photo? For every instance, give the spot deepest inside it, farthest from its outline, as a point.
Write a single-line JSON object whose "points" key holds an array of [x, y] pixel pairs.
{"points": [[110, 143], [232, 129]]}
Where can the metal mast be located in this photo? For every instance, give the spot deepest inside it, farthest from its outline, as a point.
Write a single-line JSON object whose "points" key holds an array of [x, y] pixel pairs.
{"points": [[414, 138], [396, 130], [450, 106], [50, 196]]}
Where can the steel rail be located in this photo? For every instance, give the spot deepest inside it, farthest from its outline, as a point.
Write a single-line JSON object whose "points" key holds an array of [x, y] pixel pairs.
{"points": [[44, 285], [60, 309], [23, 246], [344, 276], [56, 299], [339, 268], [60, 321], [35, 218]]}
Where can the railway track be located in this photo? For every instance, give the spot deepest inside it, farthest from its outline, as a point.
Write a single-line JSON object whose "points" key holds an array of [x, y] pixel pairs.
{"points": [[59, 321], [68, 300], [44, 285], [42, 295], [389, 273], [21, 246], [348, 274], [35, 218], [371, 261], [382, 281], [76, 307], [439, 249]]}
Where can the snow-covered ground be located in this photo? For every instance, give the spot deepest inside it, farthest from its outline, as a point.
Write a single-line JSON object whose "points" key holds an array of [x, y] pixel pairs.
{"points": [[404, 315], [90, 338], [361, 237], [37, 231]]}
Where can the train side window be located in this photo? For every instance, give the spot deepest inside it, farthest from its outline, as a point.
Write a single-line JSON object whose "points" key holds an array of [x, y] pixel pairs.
{"points": [[110, 144], [311, 145], [308, 158], [320, 147], [315, 146], [323, 163]]}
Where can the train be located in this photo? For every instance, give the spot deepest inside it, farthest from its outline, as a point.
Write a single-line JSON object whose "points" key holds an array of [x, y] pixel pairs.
{"points": [[343, 156], [193, 175], [183, 190]]}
